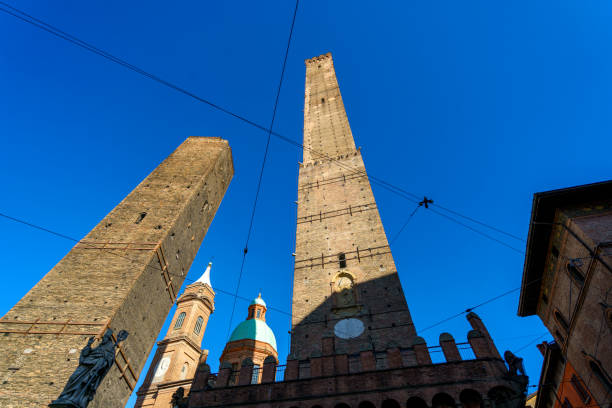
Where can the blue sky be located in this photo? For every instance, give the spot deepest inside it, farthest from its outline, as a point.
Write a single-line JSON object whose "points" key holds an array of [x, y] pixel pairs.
{"points": [[475, 104]]}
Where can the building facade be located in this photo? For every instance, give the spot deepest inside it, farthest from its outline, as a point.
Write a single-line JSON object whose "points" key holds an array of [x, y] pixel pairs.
{"points": [[123, 275], [560, 386], [353, 342], [179, 353], [567, 282]]}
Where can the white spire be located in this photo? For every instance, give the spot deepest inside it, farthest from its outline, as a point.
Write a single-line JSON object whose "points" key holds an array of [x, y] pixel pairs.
{"points": [[205, 278]]}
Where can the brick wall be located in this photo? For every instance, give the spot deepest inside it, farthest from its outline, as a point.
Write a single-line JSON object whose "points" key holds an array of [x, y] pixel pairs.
{"points": [[98, 282]]}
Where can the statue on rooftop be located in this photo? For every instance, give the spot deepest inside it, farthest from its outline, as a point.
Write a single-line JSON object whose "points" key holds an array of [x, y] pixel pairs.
{"points": [[93, 366], [514, 363]]}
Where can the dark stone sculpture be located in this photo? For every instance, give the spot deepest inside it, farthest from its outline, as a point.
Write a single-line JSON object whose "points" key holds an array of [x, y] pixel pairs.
{"points": [[514, 363], [178, 399], [93, 366]]}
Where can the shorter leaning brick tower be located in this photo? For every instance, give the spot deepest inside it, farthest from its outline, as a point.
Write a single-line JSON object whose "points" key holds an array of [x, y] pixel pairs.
{"points": [[179, 353]]}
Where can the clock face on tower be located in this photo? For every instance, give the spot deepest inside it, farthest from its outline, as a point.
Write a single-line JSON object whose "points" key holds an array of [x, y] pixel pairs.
{"points": [[162, 367], [348, 328]]}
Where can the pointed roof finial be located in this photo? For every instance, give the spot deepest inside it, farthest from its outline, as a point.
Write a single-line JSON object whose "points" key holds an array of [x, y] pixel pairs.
{"points": [[205, 278]]}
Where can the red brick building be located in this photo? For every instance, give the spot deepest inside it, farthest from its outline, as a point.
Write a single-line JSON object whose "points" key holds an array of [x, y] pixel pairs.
{"points": [[353, 343], [567, 282]]}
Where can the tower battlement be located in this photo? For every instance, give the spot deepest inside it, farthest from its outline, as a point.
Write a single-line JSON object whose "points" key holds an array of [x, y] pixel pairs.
{"points": [[394, 366], [322, 57]]}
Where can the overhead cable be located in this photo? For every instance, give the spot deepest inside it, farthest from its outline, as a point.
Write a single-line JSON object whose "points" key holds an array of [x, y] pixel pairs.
{"points": [[13, 11]]}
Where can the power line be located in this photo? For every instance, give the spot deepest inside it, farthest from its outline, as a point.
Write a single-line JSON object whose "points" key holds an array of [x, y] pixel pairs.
{"points": [[17, 13], [531, 342], [235, 294], [406, 223], [477, 231], [263, 165], [279, 310]]}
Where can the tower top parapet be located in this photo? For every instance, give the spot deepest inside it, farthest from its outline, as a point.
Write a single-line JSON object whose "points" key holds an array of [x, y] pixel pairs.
{"points": [[319, 58]]}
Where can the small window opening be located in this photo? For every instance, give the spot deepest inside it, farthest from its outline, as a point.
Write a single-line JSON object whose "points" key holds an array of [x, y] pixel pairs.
{"points": [[561, 320], [255, 375], [574, 272], [555, 251], [258, 313], [342, 260], [140, 217], [234, 374]]}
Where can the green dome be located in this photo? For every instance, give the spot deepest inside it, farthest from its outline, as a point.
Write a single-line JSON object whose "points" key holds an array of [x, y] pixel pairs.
{"points": [[256, 330]]}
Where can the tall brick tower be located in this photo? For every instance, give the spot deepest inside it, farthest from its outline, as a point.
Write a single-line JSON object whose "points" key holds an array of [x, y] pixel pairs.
{"points": [[179, 353], [345, 281], [124, 275], [353, 344]]}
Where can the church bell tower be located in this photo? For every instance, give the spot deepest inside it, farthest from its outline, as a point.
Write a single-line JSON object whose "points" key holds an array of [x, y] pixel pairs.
{"points": [[179, 354], [345, 280]]}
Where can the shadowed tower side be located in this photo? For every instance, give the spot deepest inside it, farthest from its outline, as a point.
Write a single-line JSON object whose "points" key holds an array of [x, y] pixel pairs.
{"points": [[345, 280], [124, 274]]}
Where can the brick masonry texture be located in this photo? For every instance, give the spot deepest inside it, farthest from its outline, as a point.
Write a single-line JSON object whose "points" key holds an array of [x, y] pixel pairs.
{"points": [[575, 307], [102, 279], [337, 214]]}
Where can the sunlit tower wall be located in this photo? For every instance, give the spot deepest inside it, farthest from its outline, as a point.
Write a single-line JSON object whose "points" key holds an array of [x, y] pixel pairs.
{"points": [[345, 281], [125, 274]]}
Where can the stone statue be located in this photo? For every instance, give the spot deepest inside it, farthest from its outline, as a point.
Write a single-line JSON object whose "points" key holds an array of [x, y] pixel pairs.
{"points": [[178, 399], [514, 363], [93, 366]]}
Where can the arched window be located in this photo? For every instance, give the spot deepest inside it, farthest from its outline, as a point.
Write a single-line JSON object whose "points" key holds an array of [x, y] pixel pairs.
{"points": [[184, 371], [416, 402], [442, 400], [390, 403], [470, 398], [258, 313], [179, 321], [255, 374], [198, 326]]}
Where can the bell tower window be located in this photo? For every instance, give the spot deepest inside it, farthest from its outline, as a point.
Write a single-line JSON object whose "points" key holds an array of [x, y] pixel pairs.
{"points": [[179, 321], [198, 326]]}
